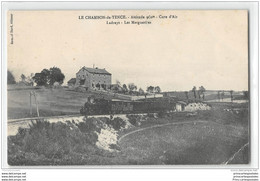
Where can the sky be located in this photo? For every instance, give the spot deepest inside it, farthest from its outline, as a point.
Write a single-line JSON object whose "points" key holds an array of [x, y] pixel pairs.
{"points": [[208, 48]]}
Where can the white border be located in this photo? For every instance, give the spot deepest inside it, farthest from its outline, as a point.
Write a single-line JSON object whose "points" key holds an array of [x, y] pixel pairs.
{"points": [[252, 7]]}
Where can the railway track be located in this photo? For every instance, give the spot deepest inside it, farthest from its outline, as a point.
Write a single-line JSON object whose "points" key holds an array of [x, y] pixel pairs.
{"points": [[160, 125]]}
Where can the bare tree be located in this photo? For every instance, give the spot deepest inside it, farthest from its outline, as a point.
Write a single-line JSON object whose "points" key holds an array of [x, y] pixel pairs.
{"points": [[118, 82], [231, 95], [23, 78], [219, 95], [30, 79], [222, 95]]}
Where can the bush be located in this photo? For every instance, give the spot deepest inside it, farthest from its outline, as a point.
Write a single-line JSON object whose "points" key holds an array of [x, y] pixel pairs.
{"points": [[89, 125], [150, 115], [80, 89], [10, 78], [116, 123], [115, 147], [134, 119], [162, 114], [220, 114], [52, 141]]}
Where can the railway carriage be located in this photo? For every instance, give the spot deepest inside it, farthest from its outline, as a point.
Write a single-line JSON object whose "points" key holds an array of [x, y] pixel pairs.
{"points": [[115, 106]]}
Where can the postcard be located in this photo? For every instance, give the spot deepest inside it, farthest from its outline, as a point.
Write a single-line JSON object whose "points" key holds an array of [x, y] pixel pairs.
{"points": [[127, 87]]}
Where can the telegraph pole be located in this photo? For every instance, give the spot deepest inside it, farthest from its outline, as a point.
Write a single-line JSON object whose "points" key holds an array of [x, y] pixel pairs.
{"points": [[31, 103]]}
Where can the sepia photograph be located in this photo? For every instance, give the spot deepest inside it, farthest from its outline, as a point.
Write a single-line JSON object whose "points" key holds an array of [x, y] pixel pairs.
{"points": [[128, 88]]}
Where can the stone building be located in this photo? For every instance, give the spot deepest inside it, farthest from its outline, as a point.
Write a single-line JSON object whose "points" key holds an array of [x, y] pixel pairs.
{"points": [[180, 106], [72, 82], [93, 78]]}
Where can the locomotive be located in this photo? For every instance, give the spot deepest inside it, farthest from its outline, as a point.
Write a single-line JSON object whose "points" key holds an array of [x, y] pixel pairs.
{"points": [[102, 106]]}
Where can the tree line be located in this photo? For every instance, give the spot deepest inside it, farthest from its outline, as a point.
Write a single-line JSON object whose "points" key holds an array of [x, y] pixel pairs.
{"points": [[200, 92], [47, 77], [131, 88]]}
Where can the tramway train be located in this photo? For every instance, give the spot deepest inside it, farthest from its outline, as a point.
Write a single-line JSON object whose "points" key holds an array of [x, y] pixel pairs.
{"points": [[115, 106]]}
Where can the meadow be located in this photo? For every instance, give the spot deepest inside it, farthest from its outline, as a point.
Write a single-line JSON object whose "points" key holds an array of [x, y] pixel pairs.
{"points": [[51, 102]]}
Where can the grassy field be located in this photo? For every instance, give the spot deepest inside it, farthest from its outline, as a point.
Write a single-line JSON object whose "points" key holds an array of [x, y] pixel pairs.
{"points": [[194, 143], [209, 137], [52, 102]]}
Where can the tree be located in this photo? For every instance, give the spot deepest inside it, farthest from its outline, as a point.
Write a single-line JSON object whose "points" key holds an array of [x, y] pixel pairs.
{"points": [[132, 87], [40, 79], [56, 76], [245, 94], [157, 89], [45, 76], [118, 82], [194, 91], [23, 78], [10, 78], [125, 88], [141, 91], [201, 92], [150, 89], [48, 77], [30, 79], [27, 80], [219, 95]]}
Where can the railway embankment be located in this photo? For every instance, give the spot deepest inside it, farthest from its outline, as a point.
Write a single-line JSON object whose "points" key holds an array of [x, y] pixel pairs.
{"points": [[132, 139]]}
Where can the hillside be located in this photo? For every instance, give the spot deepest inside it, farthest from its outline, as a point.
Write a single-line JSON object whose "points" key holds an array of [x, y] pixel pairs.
{"points": [[52, 102]]}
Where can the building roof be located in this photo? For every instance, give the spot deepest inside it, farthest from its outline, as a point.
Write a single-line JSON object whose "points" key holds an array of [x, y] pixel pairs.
{"points": [[121, 100], [72, 80], [96, 70], [182, 102]]}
